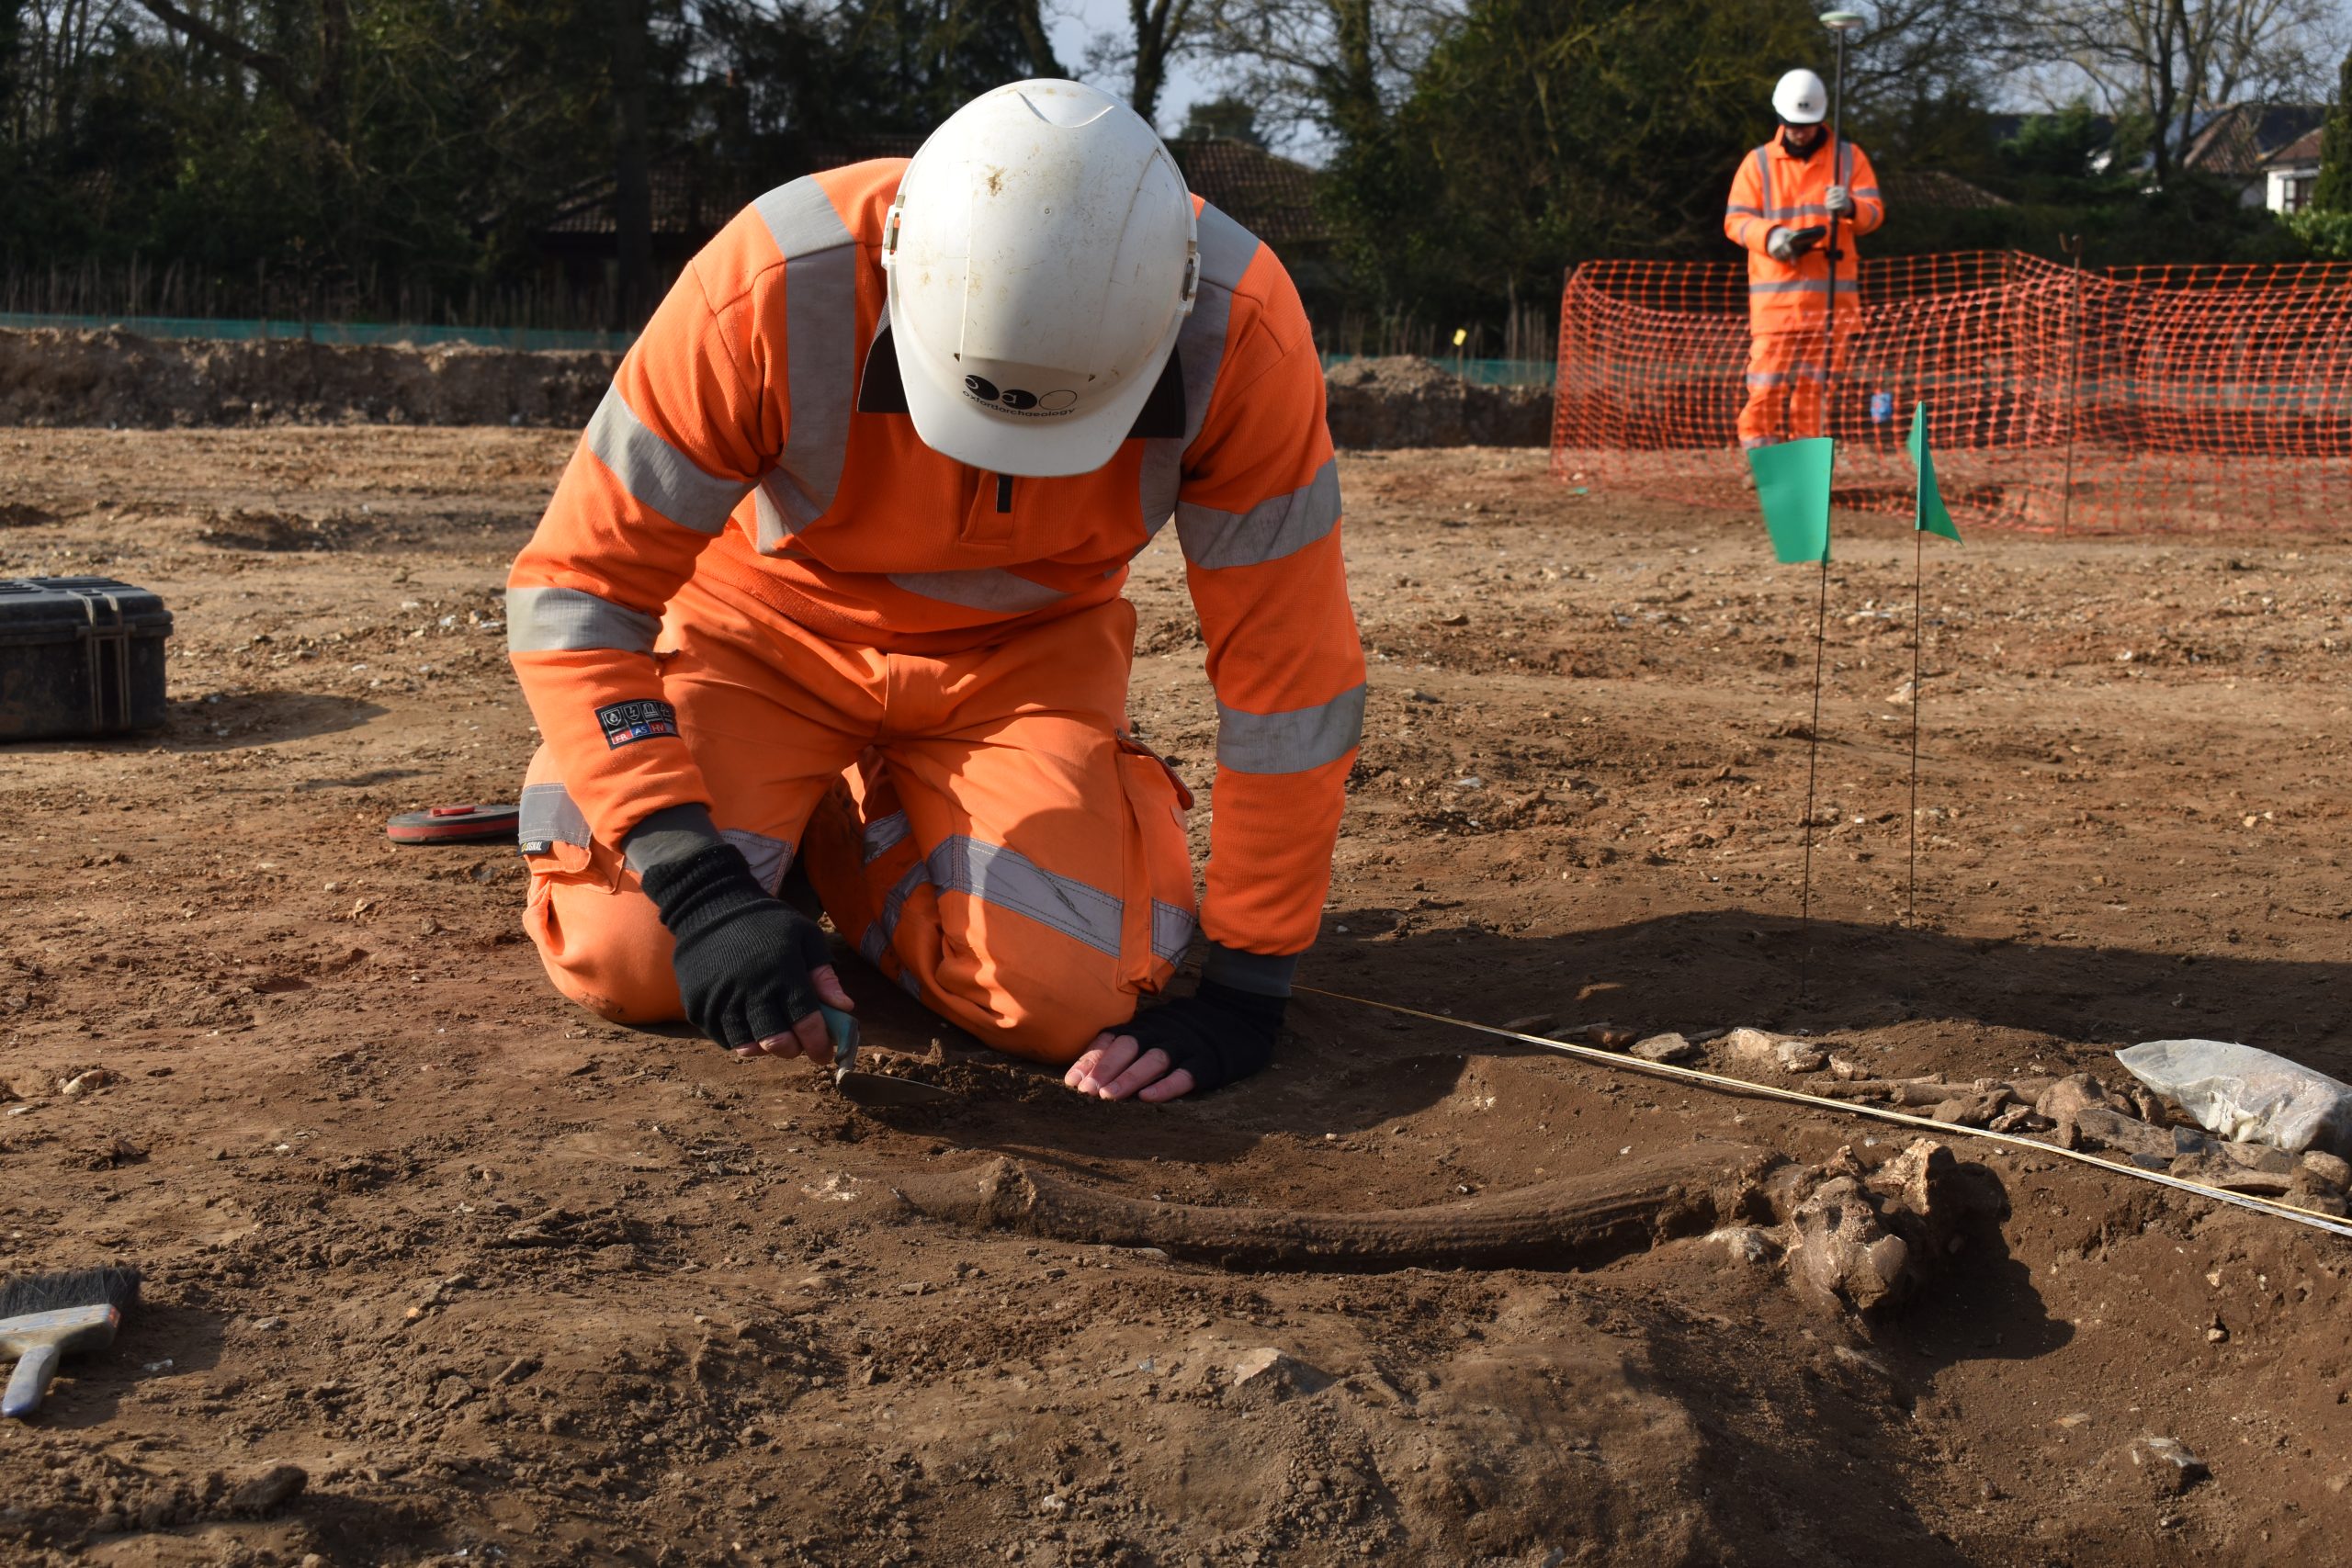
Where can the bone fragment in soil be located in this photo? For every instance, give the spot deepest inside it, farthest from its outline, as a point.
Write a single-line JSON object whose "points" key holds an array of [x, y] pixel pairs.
{"points": [[1574, 1223]]}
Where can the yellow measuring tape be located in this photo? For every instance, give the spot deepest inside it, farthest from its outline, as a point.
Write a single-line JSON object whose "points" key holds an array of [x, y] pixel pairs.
{"points": [[1717, 1081]]}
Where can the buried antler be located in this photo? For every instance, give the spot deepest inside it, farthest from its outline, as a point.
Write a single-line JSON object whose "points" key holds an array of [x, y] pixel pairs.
{"points": [[1572, 1223]]}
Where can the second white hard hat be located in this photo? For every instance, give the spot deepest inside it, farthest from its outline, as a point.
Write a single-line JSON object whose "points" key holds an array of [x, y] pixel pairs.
{"points": [[1043, 255], [1801, 98]]}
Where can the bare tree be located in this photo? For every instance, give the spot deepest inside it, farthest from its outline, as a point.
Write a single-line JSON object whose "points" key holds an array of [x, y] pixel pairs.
{"points": [[316, 99], [1159, 32], [1162, 28], [2173, 62], [1330, 69]]}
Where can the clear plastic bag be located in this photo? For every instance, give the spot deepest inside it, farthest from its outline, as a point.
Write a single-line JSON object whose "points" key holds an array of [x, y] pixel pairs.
{"points": [[2248, 1095]]}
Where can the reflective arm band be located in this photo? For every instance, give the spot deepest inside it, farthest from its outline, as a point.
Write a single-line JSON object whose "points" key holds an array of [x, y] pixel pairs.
{"points": [[673, 833], [565, 620], [658, 475], [1280, 526], [1295, 742]]}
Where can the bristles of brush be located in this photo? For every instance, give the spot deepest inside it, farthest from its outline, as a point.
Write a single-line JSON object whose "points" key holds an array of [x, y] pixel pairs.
{"points": [[115, 1286]]}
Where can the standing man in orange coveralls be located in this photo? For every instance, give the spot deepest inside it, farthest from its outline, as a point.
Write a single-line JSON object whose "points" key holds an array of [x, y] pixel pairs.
{"points": [[835, 573], [1781, 201]]}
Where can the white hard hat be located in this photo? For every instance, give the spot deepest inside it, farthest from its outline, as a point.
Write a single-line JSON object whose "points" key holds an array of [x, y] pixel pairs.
{"points": [[1042, 255], [1801, 98]]}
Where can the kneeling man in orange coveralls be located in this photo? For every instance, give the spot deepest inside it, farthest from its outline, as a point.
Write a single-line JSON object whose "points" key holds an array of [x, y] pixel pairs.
{"points": [[835, 574]]}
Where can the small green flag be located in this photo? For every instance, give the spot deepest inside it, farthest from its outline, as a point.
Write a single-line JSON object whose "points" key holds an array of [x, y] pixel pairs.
{"points": [[1932, 514], [1792, 484]]}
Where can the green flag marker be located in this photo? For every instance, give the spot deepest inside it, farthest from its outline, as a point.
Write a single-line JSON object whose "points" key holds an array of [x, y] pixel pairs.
{"points": [[1792, 484], [1931, 516]]}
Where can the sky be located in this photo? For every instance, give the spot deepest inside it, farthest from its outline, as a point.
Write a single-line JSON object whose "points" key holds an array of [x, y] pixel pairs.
{"points": [[1076, 22]]}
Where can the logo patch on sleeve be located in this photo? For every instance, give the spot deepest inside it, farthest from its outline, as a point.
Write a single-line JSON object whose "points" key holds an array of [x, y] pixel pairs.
{"points": [[639, 720]]}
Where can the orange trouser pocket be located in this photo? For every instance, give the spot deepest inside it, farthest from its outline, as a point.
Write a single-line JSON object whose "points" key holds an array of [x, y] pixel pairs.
{"points": [[598, 935]]}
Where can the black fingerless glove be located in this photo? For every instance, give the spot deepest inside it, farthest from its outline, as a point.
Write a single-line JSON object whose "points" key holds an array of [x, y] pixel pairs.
{"points": [[743, 958], [1217, 1034]]}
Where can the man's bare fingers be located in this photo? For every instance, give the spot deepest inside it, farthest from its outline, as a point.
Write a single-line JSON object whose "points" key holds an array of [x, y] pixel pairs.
{"points": [[809, 1039], [772, 1045], [1081, 1072], [1147, 1069], [828, 986], [1175, 1086], [1108, 1061]]}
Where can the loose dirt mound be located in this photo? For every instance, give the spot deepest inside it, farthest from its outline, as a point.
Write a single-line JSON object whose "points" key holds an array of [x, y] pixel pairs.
{"points": [[1406, 401], [121, 380]]}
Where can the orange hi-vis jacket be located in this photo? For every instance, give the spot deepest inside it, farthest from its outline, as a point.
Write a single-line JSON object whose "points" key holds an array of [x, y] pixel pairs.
{"points": [[1775, 189], [730, 445]]}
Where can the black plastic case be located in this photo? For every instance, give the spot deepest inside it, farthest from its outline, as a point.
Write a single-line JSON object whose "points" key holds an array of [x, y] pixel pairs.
{"points": [[80, 656]]}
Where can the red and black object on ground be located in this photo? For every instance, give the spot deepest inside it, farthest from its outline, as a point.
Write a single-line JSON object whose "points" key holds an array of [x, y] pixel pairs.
{"points": [[454, 824]]}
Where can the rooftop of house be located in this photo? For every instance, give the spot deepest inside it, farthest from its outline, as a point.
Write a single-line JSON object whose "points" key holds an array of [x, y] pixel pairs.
{"points": [[2302, 152], [1934, 188], [2237, 141]]}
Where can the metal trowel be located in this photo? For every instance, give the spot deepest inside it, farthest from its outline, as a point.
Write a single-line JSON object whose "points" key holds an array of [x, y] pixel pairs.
{"points": [[872, 1089]]}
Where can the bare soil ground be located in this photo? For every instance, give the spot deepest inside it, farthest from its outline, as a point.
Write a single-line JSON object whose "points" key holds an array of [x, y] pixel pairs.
{"points": [[507, 1284]]}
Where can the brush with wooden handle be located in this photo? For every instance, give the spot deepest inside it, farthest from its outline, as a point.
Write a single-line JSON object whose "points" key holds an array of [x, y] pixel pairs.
{"points": [[45, 1317]]}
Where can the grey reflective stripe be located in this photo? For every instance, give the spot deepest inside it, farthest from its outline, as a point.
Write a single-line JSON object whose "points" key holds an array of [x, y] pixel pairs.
{"points": [[548, 620], [1289, 743], [1736, 210], [883, 833], [885, 928], [1858, 192], [774, 526], [656, 473], [1268, 531], [988, 588], [673, 833], [1007, 879], [548, 815], [1803, 286], [1171, 932], [1764, 172], [769, 857], [1798, 213], [1781, 378], [820, 346], [1226, 251]]}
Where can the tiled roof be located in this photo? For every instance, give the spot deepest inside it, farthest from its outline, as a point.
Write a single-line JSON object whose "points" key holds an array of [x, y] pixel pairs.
{"points": [[687, 200], [1270, 196], [2238, 140], [2303, 148], [1933, 187]]}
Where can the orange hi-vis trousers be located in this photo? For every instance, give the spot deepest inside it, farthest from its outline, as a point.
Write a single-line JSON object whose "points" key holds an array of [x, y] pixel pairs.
{"points": [[977, 824], [1784, 383]]}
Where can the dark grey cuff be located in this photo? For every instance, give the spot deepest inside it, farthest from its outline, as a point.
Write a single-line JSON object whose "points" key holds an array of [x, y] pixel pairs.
{"points": [[1253, 972], [670, 834]]}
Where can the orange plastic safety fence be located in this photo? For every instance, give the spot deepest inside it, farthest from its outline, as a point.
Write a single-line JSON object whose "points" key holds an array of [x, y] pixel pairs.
{"points": [[2128, 400]]}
